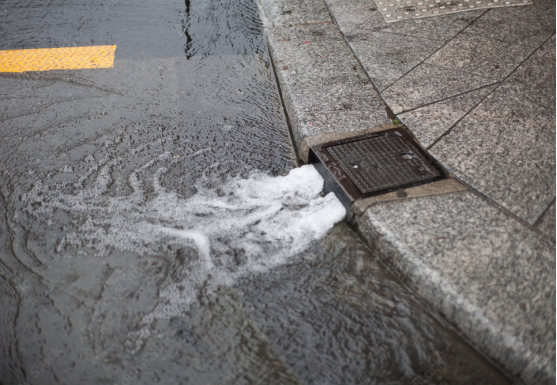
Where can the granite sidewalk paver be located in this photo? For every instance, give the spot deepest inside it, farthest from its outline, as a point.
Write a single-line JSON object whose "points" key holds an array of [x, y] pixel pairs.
{"points": [[477, 90], [505, 147]]}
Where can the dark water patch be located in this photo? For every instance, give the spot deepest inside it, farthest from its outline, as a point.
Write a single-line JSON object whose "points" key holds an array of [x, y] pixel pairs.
{"points": [[140, 29], [221, 27], [69, 315]]}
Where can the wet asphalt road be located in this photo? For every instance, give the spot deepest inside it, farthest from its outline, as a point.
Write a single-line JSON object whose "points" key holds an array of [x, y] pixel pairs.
{"points": [[90, 296]]}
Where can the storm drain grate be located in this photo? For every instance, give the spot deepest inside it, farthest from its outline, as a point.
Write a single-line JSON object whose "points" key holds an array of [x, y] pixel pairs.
{"points": [[377, 163], [396, 10]]}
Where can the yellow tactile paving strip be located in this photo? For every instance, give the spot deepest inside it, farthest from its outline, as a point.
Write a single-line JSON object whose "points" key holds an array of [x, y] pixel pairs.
{"points": [[46, 59]]}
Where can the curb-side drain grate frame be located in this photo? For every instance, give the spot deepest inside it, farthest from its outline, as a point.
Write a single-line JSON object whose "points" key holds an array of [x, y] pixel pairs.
{"points": [[376, 163]]}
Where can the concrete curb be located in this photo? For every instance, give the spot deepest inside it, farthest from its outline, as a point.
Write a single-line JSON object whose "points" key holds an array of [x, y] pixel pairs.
{"points": [[481, 269], [493, 339]]}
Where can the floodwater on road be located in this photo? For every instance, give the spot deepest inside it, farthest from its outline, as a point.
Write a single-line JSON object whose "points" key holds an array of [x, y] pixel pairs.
{"points": [[154, 227]]}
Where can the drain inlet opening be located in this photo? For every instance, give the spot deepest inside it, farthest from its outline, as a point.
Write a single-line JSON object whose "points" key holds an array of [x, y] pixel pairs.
{"points": [[374, 164]]}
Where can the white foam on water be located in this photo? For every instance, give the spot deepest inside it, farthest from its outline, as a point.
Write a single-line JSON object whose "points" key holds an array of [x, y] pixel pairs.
{"points": [[243, 226]]}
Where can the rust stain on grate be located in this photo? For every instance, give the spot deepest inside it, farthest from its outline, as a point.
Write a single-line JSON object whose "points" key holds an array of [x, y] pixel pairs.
{"points": [[376, 163]]}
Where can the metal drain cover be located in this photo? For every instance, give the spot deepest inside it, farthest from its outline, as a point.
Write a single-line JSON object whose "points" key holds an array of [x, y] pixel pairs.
{"points": [[396, 10], [376, 163]]}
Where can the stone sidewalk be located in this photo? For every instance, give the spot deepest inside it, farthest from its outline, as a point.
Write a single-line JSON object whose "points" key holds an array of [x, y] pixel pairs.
{"points": [[477, 90]]}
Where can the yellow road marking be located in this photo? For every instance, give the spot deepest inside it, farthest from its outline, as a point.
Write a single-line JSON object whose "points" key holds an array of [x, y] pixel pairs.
{"points": [[46, 59]]}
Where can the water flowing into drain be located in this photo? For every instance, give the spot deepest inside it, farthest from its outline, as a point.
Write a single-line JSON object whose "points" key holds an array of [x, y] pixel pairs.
{"points": [[243, 226]]}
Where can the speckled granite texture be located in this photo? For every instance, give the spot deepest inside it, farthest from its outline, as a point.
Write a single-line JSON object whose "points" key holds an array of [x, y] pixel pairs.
{"points": [[431, 121], [477, 89], [290, 12], [485, 272], [324, 87], [546, 223], [505, 147]]}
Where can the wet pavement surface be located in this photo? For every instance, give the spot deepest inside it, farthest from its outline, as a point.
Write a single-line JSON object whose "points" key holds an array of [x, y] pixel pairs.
{"points": [[148, 230]]}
